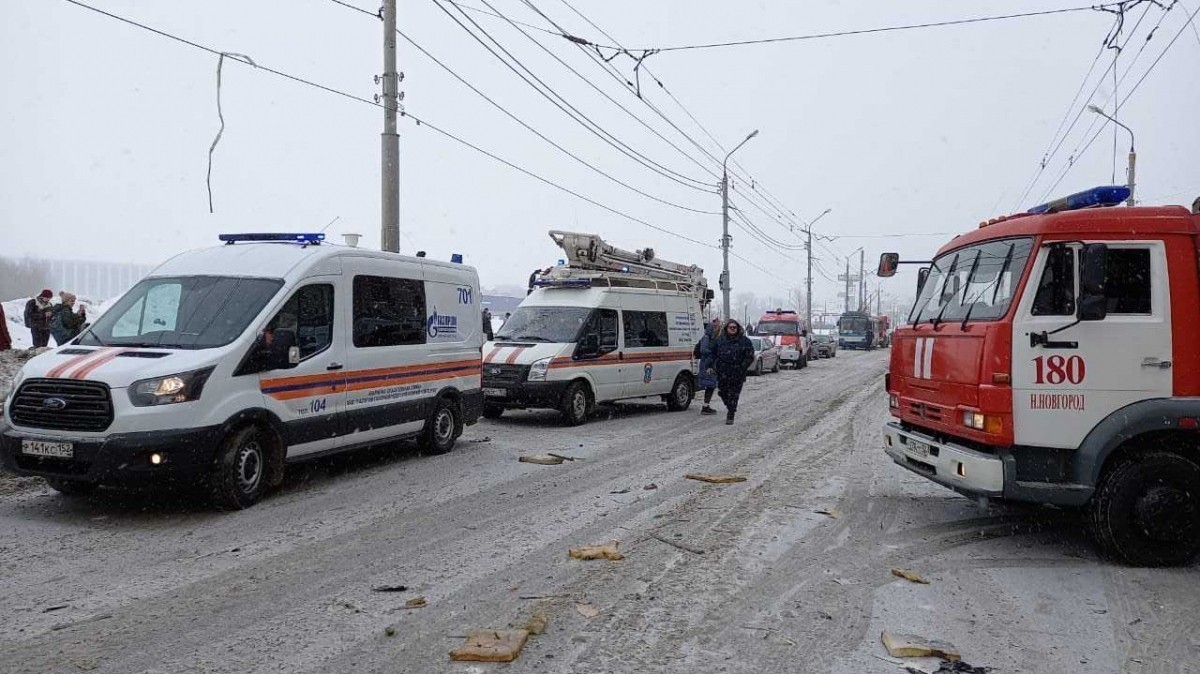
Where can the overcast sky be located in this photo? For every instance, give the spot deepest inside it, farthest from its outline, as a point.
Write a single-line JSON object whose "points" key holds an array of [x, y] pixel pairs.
{"points": [[107, 127]]}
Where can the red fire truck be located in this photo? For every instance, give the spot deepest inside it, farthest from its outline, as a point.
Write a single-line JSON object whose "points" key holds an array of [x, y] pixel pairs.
{"points": [[1054, 357], [790, 334]]}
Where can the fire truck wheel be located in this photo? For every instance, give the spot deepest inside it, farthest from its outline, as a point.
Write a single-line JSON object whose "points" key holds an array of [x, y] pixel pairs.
{"points": [[575, 404], [1146, 510], [802, 362], [680, 397], [492, 411]]}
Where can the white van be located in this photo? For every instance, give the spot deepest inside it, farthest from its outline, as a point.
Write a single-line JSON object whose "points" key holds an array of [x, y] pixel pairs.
{"points": [[226, 363], [604, 325]]}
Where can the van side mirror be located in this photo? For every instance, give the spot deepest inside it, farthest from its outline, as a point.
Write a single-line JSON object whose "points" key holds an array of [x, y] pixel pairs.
{"points": [[1092, 304], [888, 262], [922, 276]]}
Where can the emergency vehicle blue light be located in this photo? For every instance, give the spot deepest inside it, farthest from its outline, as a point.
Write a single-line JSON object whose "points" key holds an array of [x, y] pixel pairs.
{"points": [[314, 239], [563, 283], [1110, 195], [456, 257], [561, 262]]}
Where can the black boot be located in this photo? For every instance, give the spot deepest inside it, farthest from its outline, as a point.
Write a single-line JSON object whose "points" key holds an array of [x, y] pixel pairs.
{"points": [[729, 419], [707, 410]]}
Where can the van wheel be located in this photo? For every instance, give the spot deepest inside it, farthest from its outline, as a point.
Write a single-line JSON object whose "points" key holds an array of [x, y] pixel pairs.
{"points": [[575, 404], [71, 487], [441, 428], [239, 474], [681, 394], [1146, 510], [492, 411]]}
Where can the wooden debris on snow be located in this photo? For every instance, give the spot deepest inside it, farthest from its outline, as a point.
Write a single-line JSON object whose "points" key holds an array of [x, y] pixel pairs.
{"points": [[912, 646], [491, 646], [606, 551], [715, 478]]}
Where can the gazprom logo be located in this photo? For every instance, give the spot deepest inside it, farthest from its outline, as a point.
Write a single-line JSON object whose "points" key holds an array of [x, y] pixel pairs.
{"points": [[441, 324]]}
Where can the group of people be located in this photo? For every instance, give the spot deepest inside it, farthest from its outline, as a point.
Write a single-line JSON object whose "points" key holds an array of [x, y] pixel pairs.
{"points": [[46, 319], [725, 354]]}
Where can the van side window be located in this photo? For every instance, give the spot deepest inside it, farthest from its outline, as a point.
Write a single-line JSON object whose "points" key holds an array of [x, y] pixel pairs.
{"points": [[1127, 281], [306, 320], [388, 311], [607, 320], [1056, 291], [645, 328]]}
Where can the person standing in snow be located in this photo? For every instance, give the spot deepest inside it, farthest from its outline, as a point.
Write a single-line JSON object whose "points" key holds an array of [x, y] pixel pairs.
{"points": [[487, 324], [66, 323], [733, 354], [5, 338], [38, 313], [705, 352]]}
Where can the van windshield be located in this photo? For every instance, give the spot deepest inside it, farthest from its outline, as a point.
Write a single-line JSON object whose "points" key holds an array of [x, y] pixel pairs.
{"points": [[188, 312], [973, 283], [544, 324]]}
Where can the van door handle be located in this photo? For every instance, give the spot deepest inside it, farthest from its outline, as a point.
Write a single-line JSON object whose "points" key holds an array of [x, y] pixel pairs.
{"points": [[334, 366], [1154, 362]]}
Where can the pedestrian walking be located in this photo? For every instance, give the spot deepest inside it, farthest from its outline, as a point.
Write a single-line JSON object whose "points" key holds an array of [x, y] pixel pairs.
{"points": [[733, 354], [5, 338], [67, 322], [706, 351], [38, 313], [487, 324]]}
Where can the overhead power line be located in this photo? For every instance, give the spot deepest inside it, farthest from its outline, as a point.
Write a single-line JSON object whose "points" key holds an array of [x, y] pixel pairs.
{"points": [[417, 120], [845, 33], [522, 122]]}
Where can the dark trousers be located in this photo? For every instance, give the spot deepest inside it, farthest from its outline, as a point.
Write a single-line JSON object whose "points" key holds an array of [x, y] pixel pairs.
{"points": [[730, 391], [708, 394], [40, 337]]}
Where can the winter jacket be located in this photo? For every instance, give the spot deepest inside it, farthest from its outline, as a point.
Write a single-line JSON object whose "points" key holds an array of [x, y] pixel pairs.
{"points": [[38, 317], [5, 339], [707, 379], [732, 356], [65, 324]]}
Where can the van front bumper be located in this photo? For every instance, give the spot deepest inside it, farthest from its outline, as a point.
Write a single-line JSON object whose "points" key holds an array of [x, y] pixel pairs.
{"points": [[525, 394], [117, 458], [964, 470]]}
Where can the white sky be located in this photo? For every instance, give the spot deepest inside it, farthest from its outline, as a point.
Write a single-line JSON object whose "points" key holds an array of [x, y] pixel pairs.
{"points": [[107, 127]]}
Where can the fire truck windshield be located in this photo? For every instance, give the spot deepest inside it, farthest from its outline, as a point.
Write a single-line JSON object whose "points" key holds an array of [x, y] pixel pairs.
{"points": [[777, 328], [975, 283]]}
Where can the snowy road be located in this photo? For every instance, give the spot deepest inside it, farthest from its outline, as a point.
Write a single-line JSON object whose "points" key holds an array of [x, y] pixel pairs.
{"points": [[115, 584]]}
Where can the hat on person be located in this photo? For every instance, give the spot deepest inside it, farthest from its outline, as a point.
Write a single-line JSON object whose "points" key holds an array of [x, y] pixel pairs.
{"points": [[66, 297], [46, 293]]}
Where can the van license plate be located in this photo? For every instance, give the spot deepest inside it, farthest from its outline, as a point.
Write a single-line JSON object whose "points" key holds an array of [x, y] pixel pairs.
{"points": [[495, 392], [58, 450], [918, 448]]}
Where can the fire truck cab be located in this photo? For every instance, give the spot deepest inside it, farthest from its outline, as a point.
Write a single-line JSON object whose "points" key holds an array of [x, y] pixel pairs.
{"points": [[1054, 357]]}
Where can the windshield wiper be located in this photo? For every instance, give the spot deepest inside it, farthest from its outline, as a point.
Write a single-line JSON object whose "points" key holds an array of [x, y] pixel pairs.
{"points": [[966, 287], [530, 338], [942, 292], [996, 282]]}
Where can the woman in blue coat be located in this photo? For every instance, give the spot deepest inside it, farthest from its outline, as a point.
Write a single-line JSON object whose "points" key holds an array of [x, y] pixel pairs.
{"points": [[706, 352], [732, 355]]}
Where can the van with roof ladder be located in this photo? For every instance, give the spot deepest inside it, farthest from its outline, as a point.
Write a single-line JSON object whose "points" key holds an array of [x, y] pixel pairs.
{"points": [[225, 364]]}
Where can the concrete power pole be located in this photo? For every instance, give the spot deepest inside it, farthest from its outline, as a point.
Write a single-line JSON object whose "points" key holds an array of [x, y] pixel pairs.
{"points": [[862, 281], [808, 281], [725, 246], [390, 228], [847, 286]]}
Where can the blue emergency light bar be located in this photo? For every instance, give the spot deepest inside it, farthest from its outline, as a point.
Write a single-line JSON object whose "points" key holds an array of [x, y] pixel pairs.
{"points": [[306, 239], [1097, 196], [563, 283]]}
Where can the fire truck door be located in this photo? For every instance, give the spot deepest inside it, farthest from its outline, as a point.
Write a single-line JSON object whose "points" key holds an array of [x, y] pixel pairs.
{"points": [[1065, 382]]}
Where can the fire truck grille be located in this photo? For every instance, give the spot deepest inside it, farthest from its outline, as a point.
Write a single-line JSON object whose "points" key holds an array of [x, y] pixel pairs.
{"points": [[925, 411]]}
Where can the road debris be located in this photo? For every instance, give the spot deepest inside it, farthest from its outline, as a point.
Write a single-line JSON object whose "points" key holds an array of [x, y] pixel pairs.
{"points": [[912, 646], [92, 619], [626, 490], [910, 576], [52, 609], [544, 596], [478, 441], [830, 512], [650, 486], [491, 646], [564, 457], [541, 459], [587, 610], [606, 551], [390, 588], [950, 667], [677, 544], [536, 623], [416, 602], [715, 478], [390, 631]]}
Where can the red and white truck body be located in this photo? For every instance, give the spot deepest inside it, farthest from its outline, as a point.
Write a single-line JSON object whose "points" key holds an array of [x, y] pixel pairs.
{"points": [[1055, 358]]}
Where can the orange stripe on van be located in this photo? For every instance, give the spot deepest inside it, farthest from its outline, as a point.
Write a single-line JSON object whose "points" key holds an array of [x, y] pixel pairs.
{"points": [[89, 367], [492, 354], [58, 370]]}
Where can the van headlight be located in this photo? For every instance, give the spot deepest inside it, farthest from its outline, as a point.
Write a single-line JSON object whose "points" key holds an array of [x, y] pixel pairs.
{"points": [[537, 371], [176, 388]]}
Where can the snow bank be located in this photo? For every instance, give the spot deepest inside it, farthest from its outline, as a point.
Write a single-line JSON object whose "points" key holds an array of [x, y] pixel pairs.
{"points": [[14, 313]]}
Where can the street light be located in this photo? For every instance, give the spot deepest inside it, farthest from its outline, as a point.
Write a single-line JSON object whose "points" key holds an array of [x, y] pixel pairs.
{"points": [[725, 286], [1129, 171], [808, 248]]}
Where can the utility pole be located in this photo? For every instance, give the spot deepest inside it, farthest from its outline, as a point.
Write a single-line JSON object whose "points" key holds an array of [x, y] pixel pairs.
{"points": [[808, 282], [390, 228], [862, 280], [847, 286], [725, 285]]}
